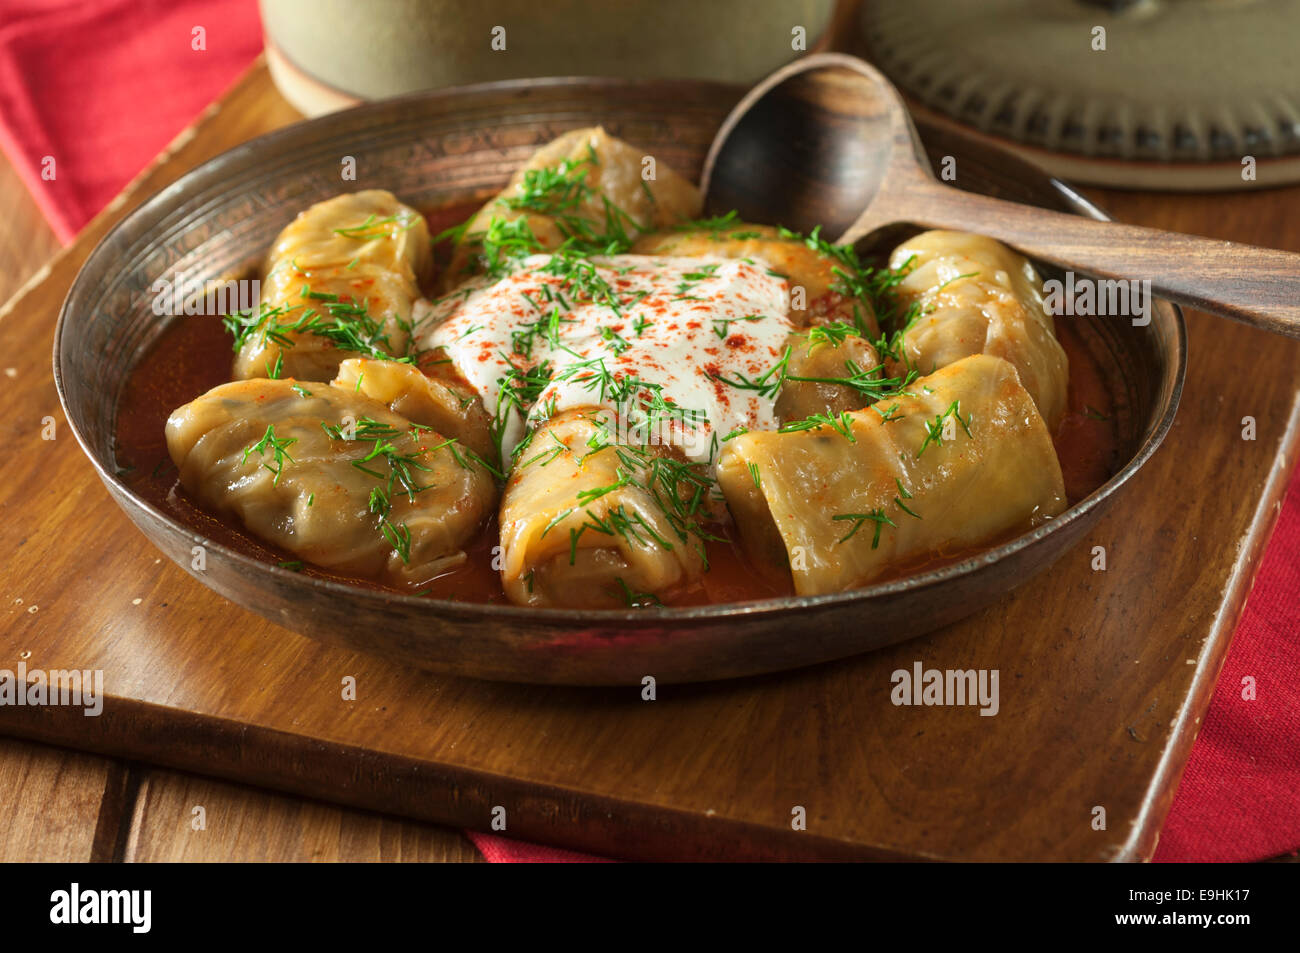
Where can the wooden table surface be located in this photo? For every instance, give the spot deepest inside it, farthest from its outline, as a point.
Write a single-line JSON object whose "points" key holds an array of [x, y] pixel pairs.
{"points": [[57, 804]]}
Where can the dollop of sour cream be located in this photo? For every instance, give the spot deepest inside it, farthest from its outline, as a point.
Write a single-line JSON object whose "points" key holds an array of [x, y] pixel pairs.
{"points": [[670, 347]]}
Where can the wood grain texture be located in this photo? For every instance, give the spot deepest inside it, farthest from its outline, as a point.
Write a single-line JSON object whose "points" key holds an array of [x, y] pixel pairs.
{"points": [[1104, 676], [180, 817], [51, 801], [26, 242]]}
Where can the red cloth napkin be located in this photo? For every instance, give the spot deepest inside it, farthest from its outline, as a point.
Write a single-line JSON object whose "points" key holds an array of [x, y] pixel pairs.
{"points": [[91, 91], [502, 850], [103, 85], [1240, 795]]}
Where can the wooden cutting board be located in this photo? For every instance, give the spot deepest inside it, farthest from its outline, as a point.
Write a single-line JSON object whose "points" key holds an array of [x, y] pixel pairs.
{"points": [[1104, 676]]}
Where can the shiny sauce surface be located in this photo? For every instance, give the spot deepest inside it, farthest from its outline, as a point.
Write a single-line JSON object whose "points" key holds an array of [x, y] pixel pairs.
{"points": [[194, 355]]}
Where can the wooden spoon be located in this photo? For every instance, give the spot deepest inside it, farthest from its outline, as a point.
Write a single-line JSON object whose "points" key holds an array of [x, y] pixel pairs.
{"points": [[827, 141]]}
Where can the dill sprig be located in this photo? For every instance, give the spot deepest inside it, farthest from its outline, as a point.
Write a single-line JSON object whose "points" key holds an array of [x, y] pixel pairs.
{"points": [[905, 495], [877, 516], [348, 325], [720, 227], [722, 326], [637, 600], [869, 382], [934, 428], [396, 470], [374, 227], [398, 535], [278, 448], [505, 241], [841, 423], [832, 335], [767, 384]]}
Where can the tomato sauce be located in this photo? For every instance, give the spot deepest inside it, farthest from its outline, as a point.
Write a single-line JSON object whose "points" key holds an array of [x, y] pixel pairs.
{"points": [[1087, 440]]}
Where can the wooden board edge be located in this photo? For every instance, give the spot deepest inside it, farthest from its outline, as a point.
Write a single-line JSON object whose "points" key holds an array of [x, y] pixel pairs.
{"points": [[1145, 835], [425, 791]]}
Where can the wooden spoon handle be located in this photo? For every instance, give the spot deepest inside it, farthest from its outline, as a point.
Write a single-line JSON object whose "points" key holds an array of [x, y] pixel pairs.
{"points": [[1256, 286]]}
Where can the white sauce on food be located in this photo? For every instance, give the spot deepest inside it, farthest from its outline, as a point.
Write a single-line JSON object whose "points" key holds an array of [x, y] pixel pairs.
{"points": [[661, 363]]}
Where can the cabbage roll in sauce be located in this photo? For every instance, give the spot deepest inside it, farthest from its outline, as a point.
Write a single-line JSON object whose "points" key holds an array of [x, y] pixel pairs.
{"points": [[583, 185], [587, 523], [341, 281], [962, 460], [444, 403], [973, 295], [333, 477], [828, 373]]}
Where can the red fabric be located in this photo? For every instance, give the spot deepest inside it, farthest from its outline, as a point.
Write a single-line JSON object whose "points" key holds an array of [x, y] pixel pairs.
{"points": [[104, 85], [503, 850], [1240, 795]]}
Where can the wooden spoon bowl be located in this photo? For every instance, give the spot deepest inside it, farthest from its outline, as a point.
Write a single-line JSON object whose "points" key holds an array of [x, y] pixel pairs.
{"points": [[806, 147]]}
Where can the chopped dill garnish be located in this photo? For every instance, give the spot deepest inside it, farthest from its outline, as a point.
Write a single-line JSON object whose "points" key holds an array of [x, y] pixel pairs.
{"points": [[722, 326], [934, 428], [279, 449], [345, 324], [875, 516], [637, 600], [402, 472], [903, 495], [767, 384], [374, 227], [841, 423]]}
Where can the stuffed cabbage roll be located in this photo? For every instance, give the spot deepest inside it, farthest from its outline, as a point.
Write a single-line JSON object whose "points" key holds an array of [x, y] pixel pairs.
{"points": [[828, 374], [332, 476], [587, 524], [964, 461], [442, 402], [584, 184], [341, 280], [976, 296]]}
